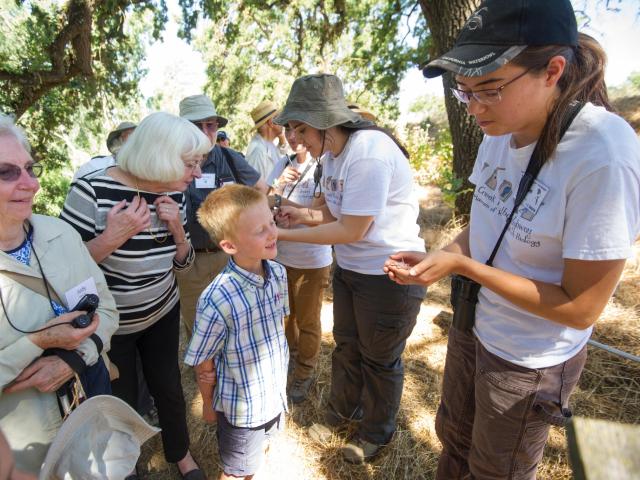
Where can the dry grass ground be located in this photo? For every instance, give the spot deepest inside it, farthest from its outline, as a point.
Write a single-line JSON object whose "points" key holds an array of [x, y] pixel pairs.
{"points": [[609, 389]]}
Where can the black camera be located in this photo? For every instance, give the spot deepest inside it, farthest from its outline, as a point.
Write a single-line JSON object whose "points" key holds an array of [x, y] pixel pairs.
{"points": [[464, 296], [88, 303]]}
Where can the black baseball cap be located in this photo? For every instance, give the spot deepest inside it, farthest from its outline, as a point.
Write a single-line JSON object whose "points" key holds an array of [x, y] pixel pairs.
{"points": [[499, 30], [222, 135]]}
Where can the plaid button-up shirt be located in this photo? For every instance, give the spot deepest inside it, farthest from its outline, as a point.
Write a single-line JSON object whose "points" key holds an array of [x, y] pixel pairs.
{"points": [[240, 325]]}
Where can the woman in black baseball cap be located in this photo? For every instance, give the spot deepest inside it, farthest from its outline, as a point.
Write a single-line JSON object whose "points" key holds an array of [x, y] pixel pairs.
{"points": [[555, 213]]}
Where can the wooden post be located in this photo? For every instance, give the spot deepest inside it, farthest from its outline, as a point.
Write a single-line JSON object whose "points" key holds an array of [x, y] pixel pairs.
{"points": [[603, 450]]}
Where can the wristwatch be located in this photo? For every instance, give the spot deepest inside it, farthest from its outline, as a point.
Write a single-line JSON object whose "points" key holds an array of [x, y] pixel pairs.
{"points": [[277, 201]]}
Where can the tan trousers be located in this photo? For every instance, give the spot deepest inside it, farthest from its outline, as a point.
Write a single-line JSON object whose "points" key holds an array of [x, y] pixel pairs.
{"points": [[193, 282], [302, 327]]}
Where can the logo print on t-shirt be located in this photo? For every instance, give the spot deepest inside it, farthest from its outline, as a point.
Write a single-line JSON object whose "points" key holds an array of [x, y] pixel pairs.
{"points": [[534, 200], [505, 190], [492, 181]]}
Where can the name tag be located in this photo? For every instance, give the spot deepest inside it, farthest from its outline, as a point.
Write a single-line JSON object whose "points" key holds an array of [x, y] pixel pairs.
{"points": [[74, 294], [208, 180]]}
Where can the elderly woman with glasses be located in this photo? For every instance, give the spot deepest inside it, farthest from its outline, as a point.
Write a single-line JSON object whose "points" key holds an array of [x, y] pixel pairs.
{"points": [[132, 217], [40, 350]]}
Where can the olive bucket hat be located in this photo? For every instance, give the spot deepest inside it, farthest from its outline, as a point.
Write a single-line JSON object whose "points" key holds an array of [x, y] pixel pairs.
{"points": [[318, 100], [196, 108]]}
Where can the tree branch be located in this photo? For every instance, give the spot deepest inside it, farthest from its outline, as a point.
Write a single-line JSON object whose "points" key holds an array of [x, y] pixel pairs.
{"points": [[69, 54]]}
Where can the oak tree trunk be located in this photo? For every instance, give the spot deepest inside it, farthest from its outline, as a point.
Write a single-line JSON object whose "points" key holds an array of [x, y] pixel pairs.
{"points": [[444, 19]]}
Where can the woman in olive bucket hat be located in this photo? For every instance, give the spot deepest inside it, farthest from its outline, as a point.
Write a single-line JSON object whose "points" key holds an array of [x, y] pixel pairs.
{"points": [[520, 66], [368, 209]]}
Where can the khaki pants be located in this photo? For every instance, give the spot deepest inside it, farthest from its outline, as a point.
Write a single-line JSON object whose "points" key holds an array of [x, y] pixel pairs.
{"points": [[193, 282], [302, 326]]}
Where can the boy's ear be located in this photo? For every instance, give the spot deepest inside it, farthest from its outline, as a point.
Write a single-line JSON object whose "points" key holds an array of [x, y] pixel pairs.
{"points": [[228, 246]]}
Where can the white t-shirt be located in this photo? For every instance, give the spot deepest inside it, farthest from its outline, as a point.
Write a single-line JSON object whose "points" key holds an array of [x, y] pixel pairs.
{"points": [[584, 204], [93, 165], [297, 254], [371, 176], [262, 155]]}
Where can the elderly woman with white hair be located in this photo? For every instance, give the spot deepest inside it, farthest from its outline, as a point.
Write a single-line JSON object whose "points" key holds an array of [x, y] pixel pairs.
{"points": [[38, 287], [132, 218]]}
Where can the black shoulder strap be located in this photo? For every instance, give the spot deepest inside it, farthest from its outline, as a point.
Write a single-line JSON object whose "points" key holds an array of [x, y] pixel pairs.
{"points": [[229, 159], [533, 168]]}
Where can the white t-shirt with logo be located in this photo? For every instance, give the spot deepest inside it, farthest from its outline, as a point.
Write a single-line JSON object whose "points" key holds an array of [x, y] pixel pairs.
{"points": [[584, 204], [298, 254], [371, 177]]}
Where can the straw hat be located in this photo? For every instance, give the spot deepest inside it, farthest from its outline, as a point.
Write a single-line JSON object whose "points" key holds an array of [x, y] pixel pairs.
{"points": [[200, 107], [318, 100], [101, 439], [263, 112], [366, 114], [114, 134]]}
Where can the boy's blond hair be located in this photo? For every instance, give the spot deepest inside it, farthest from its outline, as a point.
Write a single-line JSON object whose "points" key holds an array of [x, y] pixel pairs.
{"points": [[219, 212]]}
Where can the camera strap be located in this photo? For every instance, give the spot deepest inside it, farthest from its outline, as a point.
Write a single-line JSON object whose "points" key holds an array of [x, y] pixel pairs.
{"points": [[533, 168], [36, 285]]}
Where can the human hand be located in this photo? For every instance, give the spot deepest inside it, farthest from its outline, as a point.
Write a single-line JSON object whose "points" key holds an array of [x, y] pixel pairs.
{"points": [[65, 335], [123, 222], [289, 175], [208, 413], [289, 216], [208, 377], [46, 374], [168, 211], [416, 268]]}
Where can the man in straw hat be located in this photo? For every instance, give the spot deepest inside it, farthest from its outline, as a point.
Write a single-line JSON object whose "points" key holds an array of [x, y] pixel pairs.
{"points": [[115, 140], [262, 153], [222, 166]]}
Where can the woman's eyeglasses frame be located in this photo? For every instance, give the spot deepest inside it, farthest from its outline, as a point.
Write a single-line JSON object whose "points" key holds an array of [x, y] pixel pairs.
{"points": [[486, 96], [10, 172]]}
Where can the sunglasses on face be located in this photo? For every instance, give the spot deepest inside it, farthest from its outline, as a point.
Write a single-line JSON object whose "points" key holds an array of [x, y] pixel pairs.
{"points": [[10, 172]]}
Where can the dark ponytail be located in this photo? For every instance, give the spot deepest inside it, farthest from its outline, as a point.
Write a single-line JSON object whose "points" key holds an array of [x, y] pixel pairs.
{"points": [[582, 80]]}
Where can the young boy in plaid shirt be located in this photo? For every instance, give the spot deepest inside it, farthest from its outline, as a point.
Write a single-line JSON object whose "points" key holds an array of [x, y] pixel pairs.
{"points": [[239, 330]]}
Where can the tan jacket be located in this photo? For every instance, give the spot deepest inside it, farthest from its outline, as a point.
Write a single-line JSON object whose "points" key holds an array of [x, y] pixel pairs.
{"points": [[30, 419]]}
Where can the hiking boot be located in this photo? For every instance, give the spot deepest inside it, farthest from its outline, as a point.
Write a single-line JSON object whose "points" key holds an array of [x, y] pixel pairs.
{"points": [[300, 389], [359, 451]]}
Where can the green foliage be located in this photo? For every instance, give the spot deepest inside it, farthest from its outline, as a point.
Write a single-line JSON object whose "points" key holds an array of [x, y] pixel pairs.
{"points": [[630, 87], [80, 110], [432, 159], [54, 185], [255, 50]]}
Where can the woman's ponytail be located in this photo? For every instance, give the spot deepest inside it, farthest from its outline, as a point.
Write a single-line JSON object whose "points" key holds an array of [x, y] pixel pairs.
{"points": [[582, 80]]}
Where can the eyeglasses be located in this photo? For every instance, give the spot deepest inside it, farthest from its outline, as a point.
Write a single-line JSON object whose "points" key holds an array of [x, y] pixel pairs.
{"points": [[212, 125], [193, 164], [488, 96], [10, 172]]}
